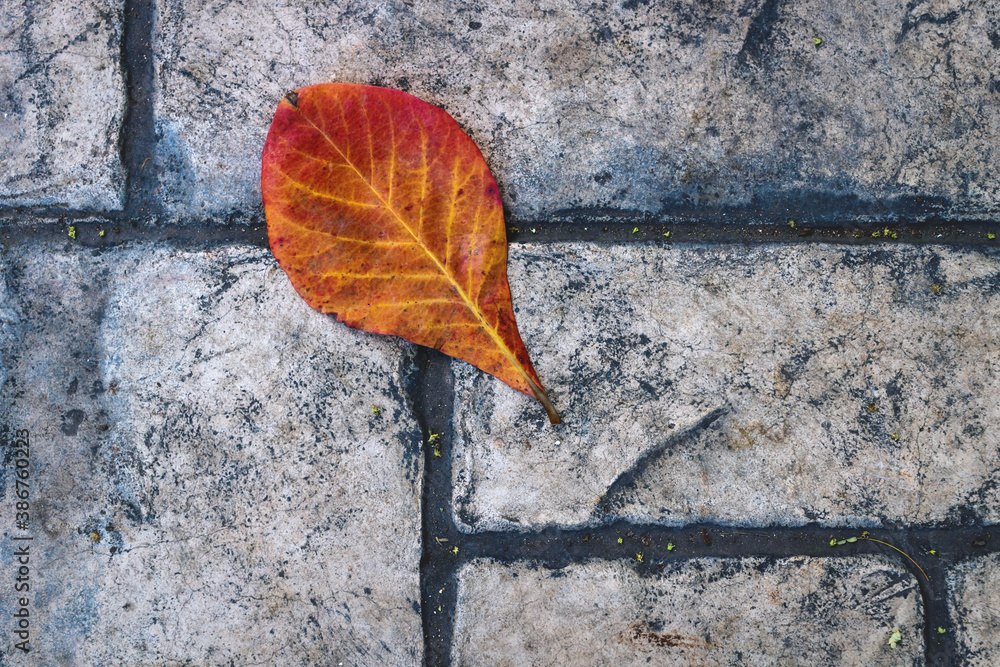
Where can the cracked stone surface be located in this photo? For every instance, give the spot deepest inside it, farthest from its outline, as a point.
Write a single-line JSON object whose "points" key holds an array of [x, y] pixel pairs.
{"points": [[764, 385], [973, 607], [633, 105], [210, 481], [62, 98], [703, 611]]}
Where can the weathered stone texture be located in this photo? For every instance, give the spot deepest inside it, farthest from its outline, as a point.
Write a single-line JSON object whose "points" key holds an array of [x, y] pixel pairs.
{"points": [[632, 105], [795, 611], [766, 385], [62, 98], [974, 610], [211, 482]]}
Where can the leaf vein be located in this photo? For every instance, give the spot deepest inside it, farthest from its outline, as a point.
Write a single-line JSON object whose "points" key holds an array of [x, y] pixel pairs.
{"points": [[474, 308], [322, 195]]}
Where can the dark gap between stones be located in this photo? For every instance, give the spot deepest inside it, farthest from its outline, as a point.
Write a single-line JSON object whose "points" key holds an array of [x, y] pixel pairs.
{"points": [[432, 392], [123, 227], [556, 548], [137, 141]]}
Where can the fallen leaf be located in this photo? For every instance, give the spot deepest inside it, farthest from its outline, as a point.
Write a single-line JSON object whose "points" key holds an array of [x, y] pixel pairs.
{"points": [[382, 211]]}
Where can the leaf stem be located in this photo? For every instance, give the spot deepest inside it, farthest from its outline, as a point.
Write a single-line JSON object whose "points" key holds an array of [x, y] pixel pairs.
{"points": [[543, 398]]}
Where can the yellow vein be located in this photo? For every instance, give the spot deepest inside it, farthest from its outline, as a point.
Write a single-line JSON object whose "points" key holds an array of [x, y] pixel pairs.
{"points": [[288, 220], [423, 183], [469, 304], [344, 239], [312, 157], [323, 195], [475, 230], [419, 302], [392, 144], [451, 212], [371, 148], [383, 276]]}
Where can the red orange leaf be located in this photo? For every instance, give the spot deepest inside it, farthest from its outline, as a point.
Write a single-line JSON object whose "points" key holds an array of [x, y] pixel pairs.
{"points": [[382, 211]]}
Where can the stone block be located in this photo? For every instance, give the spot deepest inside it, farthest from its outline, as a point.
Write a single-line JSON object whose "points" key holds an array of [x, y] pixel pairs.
{"points": [[63, 101], [807, 108], [210, 479], [973, 585], [754, 611], [761, 385]]}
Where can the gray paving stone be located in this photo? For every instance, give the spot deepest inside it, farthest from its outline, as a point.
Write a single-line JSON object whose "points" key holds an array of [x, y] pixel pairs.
{"points": [[210, 480], [973, 606], [62, 102], [796, 611], [632, 105], [764, 385]]}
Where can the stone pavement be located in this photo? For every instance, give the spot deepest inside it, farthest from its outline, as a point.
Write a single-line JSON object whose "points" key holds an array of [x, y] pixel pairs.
{"points": [[780, 442]]}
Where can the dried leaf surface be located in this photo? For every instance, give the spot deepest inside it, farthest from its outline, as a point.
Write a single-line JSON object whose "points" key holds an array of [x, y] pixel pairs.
{"points": [[382, 210]]}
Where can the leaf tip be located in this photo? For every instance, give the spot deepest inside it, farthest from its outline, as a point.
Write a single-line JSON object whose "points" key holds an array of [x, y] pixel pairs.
{"points": [[293, 99]]}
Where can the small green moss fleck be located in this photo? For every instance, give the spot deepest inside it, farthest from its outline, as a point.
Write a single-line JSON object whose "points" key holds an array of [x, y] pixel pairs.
{"points": [[667, 235], [635, 230], [941, 630], [833, 542], [72, 232], [876, 235], [95, 537], [991, 236], [638, 557], [817, 41], [936, 289], [454, 550], [895, 637], [101, 232], [376, 410], [873, 407], [933, 552], [670, 546], [791, 223], [894, 436], [620, 540]]}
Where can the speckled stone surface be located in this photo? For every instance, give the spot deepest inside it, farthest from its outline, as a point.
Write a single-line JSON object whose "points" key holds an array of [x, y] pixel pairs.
{"points": [[975, 610], [62, 100], [210, 481], [796, 611], [628, 104], [764, 385]]}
